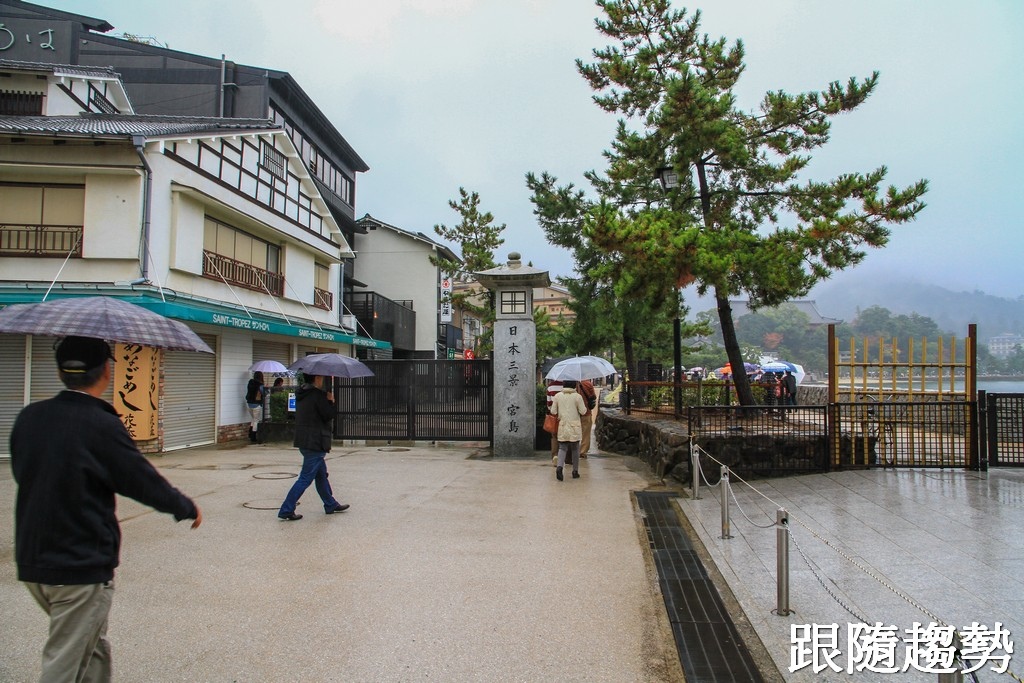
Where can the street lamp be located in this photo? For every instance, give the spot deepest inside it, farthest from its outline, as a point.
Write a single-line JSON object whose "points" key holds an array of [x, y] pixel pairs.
{"points": [[668, 178]]}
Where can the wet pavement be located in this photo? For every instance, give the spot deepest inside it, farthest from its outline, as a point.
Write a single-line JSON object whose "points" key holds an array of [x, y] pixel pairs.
{"points": [[878, 547], [449, 566], [453, 566]]}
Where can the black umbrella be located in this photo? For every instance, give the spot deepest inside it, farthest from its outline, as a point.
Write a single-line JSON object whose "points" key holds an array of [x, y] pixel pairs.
{"points": [[332, 365], [101, 317]]}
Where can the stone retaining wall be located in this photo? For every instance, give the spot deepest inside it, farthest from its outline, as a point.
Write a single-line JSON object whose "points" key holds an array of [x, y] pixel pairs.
{"points": [[665, 446]]}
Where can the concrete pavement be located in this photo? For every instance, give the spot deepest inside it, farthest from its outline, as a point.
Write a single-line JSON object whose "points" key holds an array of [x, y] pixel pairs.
{"points": [[888, 547], [449, 566]]}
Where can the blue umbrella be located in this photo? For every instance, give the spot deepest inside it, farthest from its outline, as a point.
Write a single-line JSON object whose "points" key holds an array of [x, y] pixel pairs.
{"points": [[778, 366]]}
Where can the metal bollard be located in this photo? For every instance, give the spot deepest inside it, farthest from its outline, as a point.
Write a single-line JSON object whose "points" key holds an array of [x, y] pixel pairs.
{"points": [[782, 561], [724, 484], [695, 470], [958, 675]]}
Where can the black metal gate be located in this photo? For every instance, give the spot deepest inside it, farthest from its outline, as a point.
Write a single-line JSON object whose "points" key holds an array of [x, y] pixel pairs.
{"points": [[1004, 423], [417, 400]]}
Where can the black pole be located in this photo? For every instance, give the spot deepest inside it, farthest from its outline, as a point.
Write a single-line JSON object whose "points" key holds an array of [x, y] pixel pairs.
{"points": [[677, 389]]}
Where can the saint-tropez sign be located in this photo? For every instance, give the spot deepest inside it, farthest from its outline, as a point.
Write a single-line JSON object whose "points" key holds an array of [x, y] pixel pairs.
{"points": [[200, 315]]}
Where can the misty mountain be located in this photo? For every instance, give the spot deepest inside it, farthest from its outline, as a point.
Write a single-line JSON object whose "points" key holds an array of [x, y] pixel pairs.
{"points": [[952, 311]]}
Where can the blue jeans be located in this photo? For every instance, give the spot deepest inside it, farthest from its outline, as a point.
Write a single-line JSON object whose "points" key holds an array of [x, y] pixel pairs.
{"points": [[314, 470]]}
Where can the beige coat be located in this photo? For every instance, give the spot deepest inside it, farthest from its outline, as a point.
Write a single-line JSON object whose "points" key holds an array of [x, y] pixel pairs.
{"points": [[569, 406]]}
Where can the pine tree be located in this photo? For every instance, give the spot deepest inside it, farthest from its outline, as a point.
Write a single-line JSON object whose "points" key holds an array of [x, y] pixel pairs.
{"points": [[740, 220], [478, 237]]}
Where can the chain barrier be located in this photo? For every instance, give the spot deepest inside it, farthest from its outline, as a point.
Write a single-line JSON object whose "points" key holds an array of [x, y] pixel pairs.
{"points": [[817, 575], [896, 591], [752, 522]]}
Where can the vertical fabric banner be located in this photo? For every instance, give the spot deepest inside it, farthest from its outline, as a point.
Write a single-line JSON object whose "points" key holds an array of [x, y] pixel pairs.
{"points": [[446, 298], [135, 389]]}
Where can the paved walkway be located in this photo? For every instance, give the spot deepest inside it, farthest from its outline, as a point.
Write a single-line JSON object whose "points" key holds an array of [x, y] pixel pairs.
{"points": [[448, 567], [451, 566], [887, 546]]}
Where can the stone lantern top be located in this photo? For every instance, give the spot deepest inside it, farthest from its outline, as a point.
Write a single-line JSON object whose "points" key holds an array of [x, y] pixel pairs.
{"points": [[513, 274]]}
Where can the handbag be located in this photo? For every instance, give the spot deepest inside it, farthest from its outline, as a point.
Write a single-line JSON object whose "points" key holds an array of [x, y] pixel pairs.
{"points": [[551, 423]]}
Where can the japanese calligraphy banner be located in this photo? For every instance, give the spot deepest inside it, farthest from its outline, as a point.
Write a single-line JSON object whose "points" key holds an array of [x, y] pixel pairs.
{"points": [[135, 389], [446, 295]]}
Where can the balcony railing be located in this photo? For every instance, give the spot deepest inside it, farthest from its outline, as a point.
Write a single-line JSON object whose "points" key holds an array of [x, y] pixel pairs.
{"points": [[234, 272], [40, 240], [384, 319], [323, 299]]}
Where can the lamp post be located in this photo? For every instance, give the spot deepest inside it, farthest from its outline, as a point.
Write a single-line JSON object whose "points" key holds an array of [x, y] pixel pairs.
{"points": [[669, 179]]}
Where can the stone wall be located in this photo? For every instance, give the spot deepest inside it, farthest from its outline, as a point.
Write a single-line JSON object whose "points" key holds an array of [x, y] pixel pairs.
{"points": [[665, 446]]}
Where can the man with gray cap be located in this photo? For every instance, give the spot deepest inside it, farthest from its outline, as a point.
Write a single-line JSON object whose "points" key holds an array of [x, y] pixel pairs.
{"points": [[70, 455]]}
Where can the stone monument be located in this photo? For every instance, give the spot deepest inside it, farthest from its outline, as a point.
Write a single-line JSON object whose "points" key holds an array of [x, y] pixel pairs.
{"points": [[514, 355]]}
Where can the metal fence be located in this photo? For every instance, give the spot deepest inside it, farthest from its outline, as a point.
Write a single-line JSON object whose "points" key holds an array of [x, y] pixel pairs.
{"points": [[417, 400], [904, 434], [1003, 427]]}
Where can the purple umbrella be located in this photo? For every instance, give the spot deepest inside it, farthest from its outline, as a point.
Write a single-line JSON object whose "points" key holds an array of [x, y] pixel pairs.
{"points": [[101, 317]]}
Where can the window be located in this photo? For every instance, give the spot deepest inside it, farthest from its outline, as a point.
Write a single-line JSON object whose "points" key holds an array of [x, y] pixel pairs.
{"points": [[273, 159], [238, 258], [18, 103], [41, 220], [513, 303]]}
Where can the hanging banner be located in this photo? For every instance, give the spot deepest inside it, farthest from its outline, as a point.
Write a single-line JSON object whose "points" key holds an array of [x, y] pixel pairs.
{"points": [[135, 389], [446, 296]]}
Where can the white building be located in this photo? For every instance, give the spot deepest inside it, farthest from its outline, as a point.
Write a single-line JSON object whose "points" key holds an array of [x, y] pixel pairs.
{"points": [[402, 261], [213, 221], [1005, 345]]}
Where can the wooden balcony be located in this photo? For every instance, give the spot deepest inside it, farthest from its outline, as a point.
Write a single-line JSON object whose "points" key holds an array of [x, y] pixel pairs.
{"points": [[217, 267]]}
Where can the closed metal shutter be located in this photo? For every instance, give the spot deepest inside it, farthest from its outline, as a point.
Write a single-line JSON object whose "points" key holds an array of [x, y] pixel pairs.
{"points": [[189, 406], [45, 380], [12, 399], [269, 350]]}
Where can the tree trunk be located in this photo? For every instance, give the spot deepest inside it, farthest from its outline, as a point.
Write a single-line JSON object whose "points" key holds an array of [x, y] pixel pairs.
{"points": [[732, 350]]}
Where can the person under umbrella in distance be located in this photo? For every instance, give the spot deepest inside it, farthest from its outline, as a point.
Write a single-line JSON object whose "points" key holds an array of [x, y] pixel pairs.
{"points": [[70, 455], [314, 413], [254, 404], [569, 407]]}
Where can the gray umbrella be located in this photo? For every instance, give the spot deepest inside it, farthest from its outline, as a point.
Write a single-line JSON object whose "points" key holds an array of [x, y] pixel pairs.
{"points": [[102, 317], [332, 365]]}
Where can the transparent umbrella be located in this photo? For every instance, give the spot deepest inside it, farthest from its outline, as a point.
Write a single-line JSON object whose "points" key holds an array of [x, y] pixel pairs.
{"points": [[580, 368], [270, 367]]}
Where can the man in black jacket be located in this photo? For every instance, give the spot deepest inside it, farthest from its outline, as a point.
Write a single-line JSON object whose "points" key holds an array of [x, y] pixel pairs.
{"points": [[70, 455], [314, 412]]}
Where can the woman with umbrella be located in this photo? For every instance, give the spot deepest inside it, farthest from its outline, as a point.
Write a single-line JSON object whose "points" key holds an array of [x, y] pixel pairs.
{"points": [[569, 407], [254, 402]]}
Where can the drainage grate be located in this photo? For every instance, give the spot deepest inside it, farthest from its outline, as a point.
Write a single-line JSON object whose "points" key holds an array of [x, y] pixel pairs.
{"points": [[710, 648]]}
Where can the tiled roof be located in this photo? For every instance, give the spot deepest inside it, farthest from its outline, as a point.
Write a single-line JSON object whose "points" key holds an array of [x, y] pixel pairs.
{"points": [[116, 125], [60, 69]]}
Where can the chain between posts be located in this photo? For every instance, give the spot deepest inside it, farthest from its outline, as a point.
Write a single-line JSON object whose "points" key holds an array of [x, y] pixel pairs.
{"points": [[782, 526]]}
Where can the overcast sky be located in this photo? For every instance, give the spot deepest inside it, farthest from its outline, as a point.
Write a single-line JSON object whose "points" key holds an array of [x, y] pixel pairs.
{"points": [[438, 94]]}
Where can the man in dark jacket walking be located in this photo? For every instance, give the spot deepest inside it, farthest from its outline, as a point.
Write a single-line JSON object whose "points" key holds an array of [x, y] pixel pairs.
{"points": [[314, 412], [70, 455]]}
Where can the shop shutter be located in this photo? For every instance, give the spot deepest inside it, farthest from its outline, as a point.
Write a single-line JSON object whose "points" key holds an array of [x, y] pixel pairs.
{"points": [[12, 398], [189, 409], [269, 350]]}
